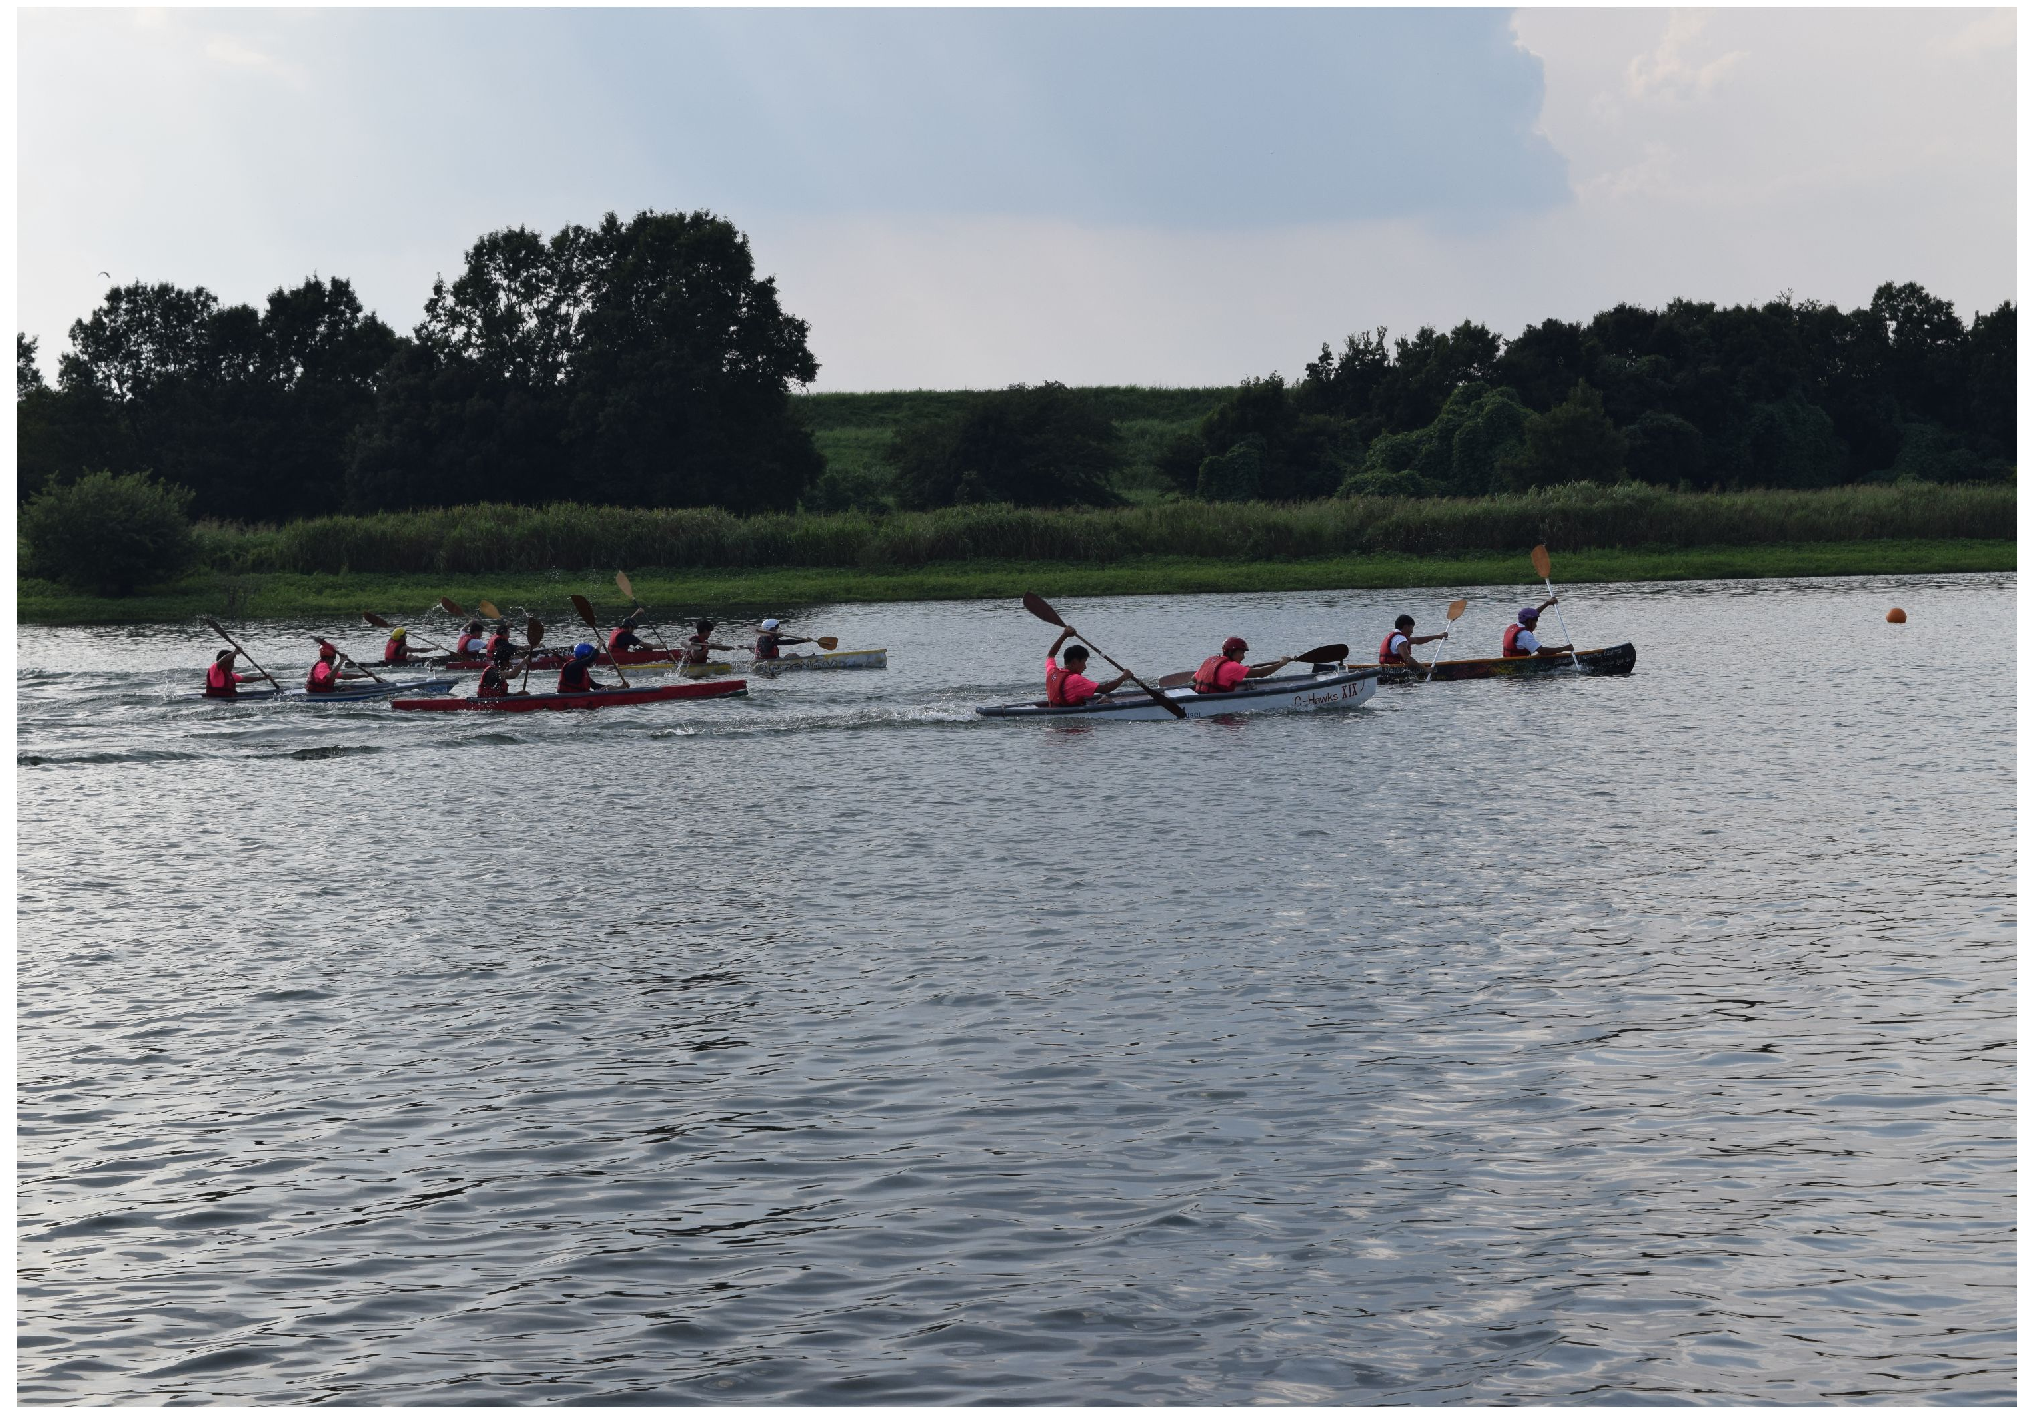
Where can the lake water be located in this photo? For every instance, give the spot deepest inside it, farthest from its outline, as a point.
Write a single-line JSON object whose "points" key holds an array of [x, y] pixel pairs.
{"points": [[1590, 1040]]}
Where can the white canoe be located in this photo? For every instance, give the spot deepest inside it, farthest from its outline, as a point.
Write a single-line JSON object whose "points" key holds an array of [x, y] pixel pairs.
{"points": [[840, 659], [1339, 688]]}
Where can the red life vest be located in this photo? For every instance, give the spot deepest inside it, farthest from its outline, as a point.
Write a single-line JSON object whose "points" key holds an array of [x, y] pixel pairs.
{"points": [[323, 676], [396, 652], [1511, 650], [1206, 681], [493, 683], [698, 651], [767, 647], [618, 632], [575, 677], [464, 643], [1386, 653], [220, 682], [499, 637], [1057, 678]]}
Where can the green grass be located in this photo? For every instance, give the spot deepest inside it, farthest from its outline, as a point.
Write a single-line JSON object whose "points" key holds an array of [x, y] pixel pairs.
{"points": [[341, 597]]}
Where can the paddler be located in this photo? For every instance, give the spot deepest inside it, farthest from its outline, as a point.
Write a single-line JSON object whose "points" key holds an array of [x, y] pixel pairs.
{"points": [[1067, 684], [697, 648], [1226, 670], [622, 635], [768, 645], [1520, 640], [397, 647], [575, 677], [504, 635], [497, 680], [324, 674], [219, 680], [1398, 646], [468, 642]]}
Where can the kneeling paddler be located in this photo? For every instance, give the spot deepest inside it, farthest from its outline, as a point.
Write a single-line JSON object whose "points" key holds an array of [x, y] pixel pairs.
{"points": [[575, 676], [1226, 670], [1067, 684], [497, 680]]}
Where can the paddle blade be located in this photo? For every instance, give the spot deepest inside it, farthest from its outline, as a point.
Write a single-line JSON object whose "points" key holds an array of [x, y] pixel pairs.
{"points": [[1180, 679], [584, 612], [1456, 609], [534, 633], [1042, 610], [452, 606], [827, 642], [381, 620], [625, 587], [489, 610], [1321, 654], [1541, 564]]}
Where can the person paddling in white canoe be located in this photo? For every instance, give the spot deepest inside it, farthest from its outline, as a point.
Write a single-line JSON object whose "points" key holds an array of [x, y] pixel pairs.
{"points": [[1520, 640], [1226, 670], [1398, 646], [697, 648], [1067, 684], [768, 645]]}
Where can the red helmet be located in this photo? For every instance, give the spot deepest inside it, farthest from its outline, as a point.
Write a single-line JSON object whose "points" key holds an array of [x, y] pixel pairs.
{"points": [[327, 651], [1234, 645]]}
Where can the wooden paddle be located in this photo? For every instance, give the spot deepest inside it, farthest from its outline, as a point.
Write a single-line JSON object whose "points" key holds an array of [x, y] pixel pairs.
{"points": [[1456, 609], [1042, 610], [384, 623], [535, 633], [456, 610], [1541, 567], [348, 659], [248, 658], [1321, 654], [626, 589], [489, 610], [584, 610]]}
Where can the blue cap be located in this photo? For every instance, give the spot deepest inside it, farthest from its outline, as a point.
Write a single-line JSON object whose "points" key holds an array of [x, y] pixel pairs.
{"points": [[585, 651]]}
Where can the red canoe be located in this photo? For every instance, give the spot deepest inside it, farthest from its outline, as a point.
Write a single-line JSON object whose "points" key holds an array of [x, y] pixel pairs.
{"points": [[595, 699], [544, 659]]}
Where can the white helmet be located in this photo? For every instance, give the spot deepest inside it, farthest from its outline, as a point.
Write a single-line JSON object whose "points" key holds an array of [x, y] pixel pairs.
{"points": [[770, 624]]}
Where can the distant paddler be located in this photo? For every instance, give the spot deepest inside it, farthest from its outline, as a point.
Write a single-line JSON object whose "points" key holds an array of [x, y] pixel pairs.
{"points": [[495, 682], [397, 647], [470, 644], [1520, 640], [623, 636], [325, 674], [697, 648], [1226, 670], [1398, 646], [1067, 684], [220, 682], [575, 676], [771, 638]]}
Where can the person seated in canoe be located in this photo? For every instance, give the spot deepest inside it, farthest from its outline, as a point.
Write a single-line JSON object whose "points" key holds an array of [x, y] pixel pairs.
{"points": [[1226, 670], [470, 642], [504, 635], [697, 648], [397, 647], [324, 674], [1520, 640], [1398, 646], [768, 645], [1067, 686], [219, 680], [497, 680], [623, 635], [575, 677]]}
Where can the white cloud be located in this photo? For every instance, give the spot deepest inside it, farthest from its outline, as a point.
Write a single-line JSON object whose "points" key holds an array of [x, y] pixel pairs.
{"points": [[1669, 71]]}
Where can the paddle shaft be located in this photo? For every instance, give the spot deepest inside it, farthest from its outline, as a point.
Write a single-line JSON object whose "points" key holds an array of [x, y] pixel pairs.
{"points": [[249, 658], [351, 661], [590, 617], [1437, 658], [1155, 694], [1573, 660]]}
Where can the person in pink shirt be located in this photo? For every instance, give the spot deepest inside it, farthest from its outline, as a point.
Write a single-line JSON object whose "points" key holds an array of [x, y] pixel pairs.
{"points": [[1225, 671], [1067, 686]]}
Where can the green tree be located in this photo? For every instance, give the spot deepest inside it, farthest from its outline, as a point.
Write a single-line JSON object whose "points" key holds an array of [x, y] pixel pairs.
{"points": [[108, 533], [27, 373], [1665, 450], [1233, 475], [1043, 445], [1572, 442]]}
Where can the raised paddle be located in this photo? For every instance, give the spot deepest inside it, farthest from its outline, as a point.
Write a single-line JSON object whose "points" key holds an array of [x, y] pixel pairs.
{"points": [[348, 659], [534, 643], [384, 623], [249, 658], [489, 610], [1042, 610], [625, 585], [1541, 566], [1321, 654], [1456, 609], [590, 618], [455, 610]]}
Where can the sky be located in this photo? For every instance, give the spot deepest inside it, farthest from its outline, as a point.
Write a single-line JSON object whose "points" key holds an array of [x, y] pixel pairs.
{"points": [[971, 198]]}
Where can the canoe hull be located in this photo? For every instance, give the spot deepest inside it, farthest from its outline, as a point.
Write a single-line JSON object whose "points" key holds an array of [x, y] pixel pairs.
{"points": [[568, 703], [367, 694], [1615, 659], [1344, 688], [839, 659], [544, 659]]}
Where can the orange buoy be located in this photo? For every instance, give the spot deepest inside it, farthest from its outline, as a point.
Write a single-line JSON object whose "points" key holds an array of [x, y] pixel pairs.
{"points": [[1895, 616]]}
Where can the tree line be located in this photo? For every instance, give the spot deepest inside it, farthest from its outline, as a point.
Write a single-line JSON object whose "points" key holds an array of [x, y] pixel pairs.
{"points": [[632, 363], [643, 363]]}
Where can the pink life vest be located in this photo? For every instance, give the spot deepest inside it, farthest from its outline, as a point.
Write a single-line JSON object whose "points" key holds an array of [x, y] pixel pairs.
{"points": [[220, 682], [396, 652], [1058, 680], [323, 677]]}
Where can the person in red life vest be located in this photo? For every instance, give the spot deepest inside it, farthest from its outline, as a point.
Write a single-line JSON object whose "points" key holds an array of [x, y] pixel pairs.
{"points": [[397, 648], [1520, 640], [219, 680], [623, 636], [768, 645], [497, 680], [575, 677], [500, 636], [697, 648], [1226, 670], [324, 674], [1398, 646], [1067, 686], [468, 643]]}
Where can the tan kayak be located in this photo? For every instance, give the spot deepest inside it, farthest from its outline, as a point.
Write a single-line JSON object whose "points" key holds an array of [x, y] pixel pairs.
{"points": [[840, 659]]}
